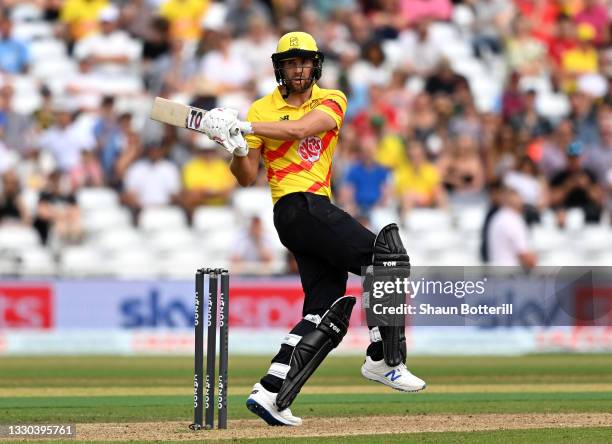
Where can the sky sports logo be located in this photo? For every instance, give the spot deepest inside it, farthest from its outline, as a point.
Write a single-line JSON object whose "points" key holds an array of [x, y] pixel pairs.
{"points": [[25, 307]]}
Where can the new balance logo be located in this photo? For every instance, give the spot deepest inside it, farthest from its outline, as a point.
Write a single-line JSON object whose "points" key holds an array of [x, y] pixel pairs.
{"points": [[392, 375], [285, 117]]}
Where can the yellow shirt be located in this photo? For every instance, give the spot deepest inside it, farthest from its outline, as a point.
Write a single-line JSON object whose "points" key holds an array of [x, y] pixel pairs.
{"points": [[82, 16], [298, 165], [212, 176], [423, 181], [391, 152], [184, 17], [578, 61]]}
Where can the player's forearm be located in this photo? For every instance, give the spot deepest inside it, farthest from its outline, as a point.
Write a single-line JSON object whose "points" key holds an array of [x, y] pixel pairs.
{"points": [[243, 170], [283, 130]]}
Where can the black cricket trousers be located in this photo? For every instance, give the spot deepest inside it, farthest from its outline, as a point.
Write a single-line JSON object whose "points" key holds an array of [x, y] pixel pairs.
{"points": [[327, 244]]}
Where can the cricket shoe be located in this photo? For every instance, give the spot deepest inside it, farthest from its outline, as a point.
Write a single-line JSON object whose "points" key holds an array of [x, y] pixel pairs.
{"points": [[263, 404], [398, 377]]}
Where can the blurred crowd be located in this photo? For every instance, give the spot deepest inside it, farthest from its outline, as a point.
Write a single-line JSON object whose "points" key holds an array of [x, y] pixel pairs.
{"points": [[448, 100]]}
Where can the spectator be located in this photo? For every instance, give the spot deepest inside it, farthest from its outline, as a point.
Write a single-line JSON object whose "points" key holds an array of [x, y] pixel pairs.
{"points": [[57, 211], [526, 54], [418, 183], [367, 183], [253, 250], [109, 131], [563, 40], [184, 17], [421, 53], [14, 54], [206, 177], [13, 125], [222, 70], [416, 11], [88, 172], [531, 187], [111, 51], [35, 167], [66, 139], [462, 171], [553, 159], [581, 59], [12, 205], [444, 80], [151, 181], [576, 187], [242, 12], [508, 236], [595, 14], [495, 202], [81, 17], [529, 123]]}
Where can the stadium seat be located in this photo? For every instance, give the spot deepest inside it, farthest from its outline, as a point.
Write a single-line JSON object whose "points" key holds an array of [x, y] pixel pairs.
{"points": [[162, 218], [134, 264], [54, 68], [379, 217], [183, 264], [211, 218], [97, 198], [82, 261], [106, 218], [547, 239], [45, 49], [36, 262], [470, 218], [32, 30], [18, 237], [574, 219], [26, 12], [118, 239], [252, 201], [425, 219], [220, 243], [173, 240]]}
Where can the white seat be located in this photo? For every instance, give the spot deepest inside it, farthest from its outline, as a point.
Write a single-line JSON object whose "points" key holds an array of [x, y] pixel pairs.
{"points": [[547, 239], [45, 49], [18, 237], [162, 218], [252, 201], [83, 261], [183, 264], [379, 217], [32, 30], [119, 239], [26, 12], [54, 68], [26, 103], [172, 240], [220, 243], [97, 198], [562, 257], [471, 218], [213, 218], [134, 264], [37, 262], [574, 219], [106, 219], [426, 219]]}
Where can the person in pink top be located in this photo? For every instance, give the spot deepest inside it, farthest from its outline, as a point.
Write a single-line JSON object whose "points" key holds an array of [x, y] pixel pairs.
{"points": [[415, 10], [595, 14]]}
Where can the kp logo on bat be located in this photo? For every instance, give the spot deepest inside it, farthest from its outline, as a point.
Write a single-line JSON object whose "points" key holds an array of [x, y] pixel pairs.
{"points": [[310, 149]]}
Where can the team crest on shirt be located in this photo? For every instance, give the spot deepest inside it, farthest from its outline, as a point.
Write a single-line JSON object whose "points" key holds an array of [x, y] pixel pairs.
{"points": [[310, 149]]}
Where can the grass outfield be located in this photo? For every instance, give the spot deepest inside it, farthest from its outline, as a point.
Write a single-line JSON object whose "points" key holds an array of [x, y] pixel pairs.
{"points": [[153, 389]]}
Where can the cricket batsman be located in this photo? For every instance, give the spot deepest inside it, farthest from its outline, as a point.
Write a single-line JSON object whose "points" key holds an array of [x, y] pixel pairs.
{"points": [[295, 130]]}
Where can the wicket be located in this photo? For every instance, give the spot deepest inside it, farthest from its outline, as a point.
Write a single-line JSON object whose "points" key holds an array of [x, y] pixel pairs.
{"points": [[201, 399]]}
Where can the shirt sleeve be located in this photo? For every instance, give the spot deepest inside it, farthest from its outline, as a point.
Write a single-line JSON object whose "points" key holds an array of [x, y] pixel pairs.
{"points": [[519, 235], [254, 142], [334, 105]]}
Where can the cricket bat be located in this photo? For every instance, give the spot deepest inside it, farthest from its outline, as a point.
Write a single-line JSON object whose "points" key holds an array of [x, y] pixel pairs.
{"points": [[177, 114]]}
